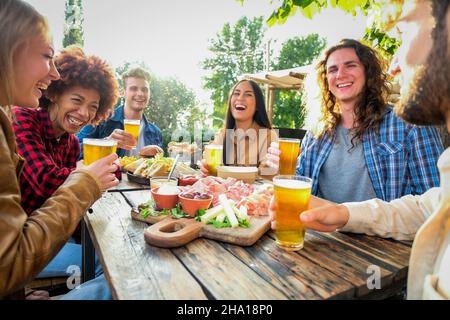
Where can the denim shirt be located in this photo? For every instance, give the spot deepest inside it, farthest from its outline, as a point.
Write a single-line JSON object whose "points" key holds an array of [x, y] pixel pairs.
{"points": [[152, 134], [400, 158]]}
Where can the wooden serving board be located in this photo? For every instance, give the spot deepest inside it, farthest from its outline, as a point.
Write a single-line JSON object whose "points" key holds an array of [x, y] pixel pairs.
{"points": [[171, 233], [150, 219]]}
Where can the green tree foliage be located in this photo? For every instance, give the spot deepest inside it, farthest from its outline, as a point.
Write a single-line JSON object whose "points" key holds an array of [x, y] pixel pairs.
{"points": [[73, 29], [377, 38], [385, 44], [300, 51], [172, 105], [236, 49], [289, 111]]}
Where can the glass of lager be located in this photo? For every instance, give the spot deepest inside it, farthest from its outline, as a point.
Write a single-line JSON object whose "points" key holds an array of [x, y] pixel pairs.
{"points": [[290, 149], [132, 127], [213, 157], [94, 149], [292, 195]]}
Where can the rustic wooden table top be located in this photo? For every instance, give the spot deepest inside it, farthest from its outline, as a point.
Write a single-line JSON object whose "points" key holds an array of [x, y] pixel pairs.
{"points": [[331, 266]]}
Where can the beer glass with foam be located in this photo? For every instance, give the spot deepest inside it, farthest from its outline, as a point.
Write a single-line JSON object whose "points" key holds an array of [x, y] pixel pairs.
{"points": [[292, 194], [213, 157], [94, 149], [132, 127]]}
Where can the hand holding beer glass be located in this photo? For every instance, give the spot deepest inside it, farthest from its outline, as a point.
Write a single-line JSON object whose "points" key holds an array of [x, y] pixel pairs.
{"points": [[290, 149], [213, 157], [103, 168], [132, 127], [292, 194]]}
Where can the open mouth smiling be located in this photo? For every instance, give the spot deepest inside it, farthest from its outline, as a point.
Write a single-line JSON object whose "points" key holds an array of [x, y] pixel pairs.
{"points": [[344, 85], [240, 107], [74, 121]]}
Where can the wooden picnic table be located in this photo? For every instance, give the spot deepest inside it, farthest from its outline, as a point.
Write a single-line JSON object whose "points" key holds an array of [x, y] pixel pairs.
{"points": [[330, 266]]}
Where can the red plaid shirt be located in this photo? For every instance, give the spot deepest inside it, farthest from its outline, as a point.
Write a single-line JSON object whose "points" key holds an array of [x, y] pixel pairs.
{"points": [[48, 162]]}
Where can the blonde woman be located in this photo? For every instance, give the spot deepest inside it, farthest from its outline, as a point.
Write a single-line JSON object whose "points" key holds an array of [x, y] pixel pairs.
{"points": [[28, 243]]}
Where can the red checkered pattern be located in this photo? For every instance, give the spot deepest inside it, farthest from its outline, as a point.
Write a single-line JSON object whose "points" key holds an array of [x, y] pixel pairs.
{"points": [[48, 161]]}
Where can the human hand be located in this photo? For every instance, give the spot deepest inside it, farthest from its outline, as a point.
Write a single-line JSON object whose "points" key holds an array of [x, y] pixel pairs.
{"points": [[151, 150], [203, 167], [124, 140], [104, 170], [322, 215], [271, 163]]}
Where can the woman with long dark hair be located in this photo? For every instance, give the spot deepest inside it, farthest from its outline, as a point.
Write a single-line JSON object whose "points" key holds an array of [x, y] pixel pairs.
{"points": [[247, 133]]}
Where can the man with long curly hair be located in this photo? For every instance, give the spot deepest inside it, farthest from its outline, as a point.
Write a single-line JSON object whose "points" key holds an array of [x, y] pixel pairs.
{"points": [[424, 59], [362, 148]]}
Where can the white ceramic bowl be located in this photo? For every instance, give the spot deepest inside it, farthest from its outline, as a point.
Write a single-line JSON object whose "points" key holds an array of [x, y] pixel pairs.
{"points": [[246, 174]]}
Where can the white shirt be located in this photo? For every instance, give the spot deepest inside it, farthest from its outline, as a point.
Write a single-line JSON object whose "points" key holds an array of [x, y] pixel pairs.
{"points": [[424, 218]]}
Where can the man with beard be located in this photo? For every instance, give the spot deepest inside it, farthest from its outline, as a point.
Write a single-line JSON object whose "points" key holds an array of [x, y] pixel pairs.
{"points": [[424, 60]]}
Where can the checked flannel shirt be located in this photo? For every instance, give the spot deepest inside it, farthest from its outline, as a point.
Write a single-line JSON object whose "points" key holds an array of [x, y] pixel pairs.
{"points": [[401, 158], [48, 162]]}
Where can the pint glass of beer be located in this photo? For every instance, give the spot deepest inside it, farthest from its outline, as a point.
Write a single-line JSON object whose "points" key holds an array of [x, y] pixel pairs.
{"points": [[290, 149], [292, 195], [132, 127], [94, 149], [213, 157]]}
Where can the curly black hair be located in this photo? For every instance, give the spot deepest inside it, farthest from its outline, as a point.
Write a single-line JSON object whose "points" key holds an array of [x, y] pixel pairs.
{"points": [[89, 72]]}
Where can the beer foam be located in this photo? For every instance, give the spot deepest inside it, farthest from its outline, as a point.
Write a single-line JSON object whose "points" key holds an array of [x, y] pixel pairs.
{"points": [[132, 122], [100, 142], [214, 146], [292, 184]]}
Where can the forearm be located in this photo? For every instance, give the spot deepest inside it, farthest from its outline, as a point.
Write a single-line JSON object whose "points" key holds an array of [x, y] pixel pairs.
{"points": [[29, 243], [399, 219]]}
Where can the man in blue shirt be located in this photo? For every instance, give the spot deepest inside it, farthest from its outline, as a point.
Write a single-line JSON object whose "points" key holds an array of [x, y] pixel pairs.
{"points": [[136, 93], [361, 149]]}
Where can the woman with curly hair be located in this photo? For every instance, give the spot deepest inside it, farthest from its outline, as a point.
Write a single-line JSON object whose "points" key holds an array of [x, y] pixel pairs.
{"points": [[85, 94], [362, 150]]}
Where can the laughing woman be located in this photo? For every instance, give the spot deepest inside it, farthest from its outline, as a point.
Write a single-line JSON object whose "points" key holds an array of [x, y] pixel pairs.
{"points": [[29, 241], [248, 133], [85, 94]]}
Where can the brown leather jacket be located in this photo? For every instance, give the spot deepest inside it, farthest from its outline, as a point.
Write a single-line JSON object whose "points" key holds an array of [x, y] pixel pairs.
{"points": [[27, 244]]}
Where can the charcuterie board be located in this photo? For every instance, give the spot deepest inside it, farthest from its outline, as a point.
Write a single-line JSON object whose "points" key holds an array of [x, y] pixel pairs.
{"points": [[172, 231], [167, 232]]}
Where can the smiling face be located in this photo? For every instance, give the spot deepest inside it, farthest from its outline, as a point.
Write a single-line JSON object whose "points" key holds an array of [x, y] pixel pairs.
{"points": [[136, 94], [415, 28], [73, 109], [243, 102], [345, 76], [424, 65], [34, 70]]}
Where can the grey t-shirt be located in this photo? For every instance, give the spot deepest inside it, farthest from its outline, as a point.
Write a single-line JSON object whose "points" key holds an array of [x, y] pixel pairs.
{"points": [[344, 176]]}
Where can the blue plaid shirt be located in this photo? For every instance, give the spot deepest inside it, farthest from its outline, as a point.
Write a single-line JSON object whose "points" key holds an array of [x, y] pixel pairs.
{"points": [[152, 134], [401, 158]]}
